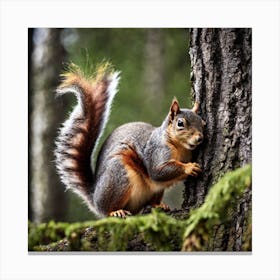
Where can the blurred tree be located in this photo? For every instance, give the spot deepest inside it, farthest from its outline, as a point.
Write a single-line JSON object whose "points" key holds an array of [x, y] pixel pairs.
{"points": [[30, 94], [154, 70], [221, 83], [48, 197]]}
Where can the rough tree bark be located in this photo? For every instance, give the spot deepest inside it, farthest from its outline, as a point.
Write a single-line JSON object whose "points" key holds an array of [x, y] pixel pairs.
{"points": [[48, 197], [221, 83]]}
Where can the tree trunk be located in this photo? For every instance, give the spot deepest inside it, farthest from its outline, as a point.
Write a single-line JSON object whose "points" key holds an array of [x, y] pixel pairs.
{"points": [[48, 197], [221, 83]]}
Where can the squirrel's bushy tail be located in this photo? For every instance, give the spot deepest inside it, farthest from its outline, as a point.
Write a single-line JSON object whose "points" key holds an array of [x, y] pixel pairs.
{"points": [[81, 131]]}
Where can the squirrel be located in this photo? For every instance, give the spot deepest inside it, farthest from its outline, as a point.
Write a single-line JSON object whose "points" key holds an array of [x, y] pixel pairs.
{"points": [[136, 163]]}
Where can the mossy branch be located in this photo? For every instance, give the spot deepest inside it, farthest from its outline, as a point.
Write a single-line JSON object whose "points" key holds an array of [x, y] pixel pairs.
{"points": [[155, 231]]}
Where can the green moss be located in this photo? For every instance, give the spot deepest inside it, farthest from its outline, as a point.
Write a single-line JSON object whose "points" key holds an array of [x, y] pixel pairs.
{"points": [[221, 197], [111, 234], [58, 246], [155, 231], [45, 233]]}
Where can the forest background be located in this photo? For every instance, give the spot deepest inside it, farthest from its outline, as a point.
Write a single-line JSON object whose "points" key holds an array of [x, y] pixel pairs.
{"points": [[155, 67]]}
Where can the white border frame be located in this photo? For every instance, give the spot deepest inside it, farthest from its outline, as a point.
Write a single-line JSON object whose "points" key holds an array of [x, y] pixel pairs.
{"points": [[17, 16]]}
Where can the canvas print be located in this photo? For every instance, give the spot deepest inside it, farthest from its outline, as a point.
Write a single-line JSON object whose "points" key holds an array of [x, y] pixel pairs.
{"points": [[140, 139]]}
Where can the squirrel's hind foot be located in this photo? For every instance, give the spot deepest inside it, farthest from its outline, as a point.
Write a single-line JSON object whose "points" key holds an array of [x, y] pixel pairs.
{"points": [[162, 206], [120, 213]]}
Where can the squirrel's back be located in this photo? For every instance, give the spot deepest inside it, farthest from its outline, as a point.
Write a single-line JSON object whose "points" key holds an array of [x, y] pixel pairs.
{"points": [[135, 134], [132, 135]]}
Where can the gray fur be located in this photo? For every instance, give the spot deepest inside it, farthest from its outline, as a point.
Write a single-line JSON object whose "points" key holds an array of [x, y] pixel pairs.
{"points": [[150, 144], [110, 173]]}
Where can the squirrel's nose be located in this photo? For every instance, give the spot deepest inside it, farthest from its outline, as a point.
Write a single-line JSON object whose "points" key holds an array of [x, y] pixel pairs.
{"points": [[199, 138]]}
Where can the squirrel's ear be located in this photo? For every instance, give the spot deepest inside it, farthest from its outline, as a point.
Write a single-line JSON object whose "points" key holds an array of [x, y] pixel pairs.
{"points": [[195, 107], [174, 109], [203, 123]]}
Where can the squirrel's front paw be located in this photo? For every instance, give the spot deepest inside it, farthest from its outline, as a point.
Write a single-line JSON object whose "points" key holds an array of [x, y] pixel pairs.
{"points": [[192, 169]]}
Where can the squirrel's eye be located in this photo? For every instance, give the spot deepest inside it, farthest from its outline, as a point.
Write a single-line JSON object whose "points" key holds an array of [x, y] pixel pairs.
{"points": [[180, 123]]}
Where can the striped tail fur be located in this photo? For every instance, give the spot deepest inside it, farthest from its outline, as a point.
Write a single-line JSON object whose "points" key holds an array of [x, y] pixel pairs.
{"points": [[80, 133]]}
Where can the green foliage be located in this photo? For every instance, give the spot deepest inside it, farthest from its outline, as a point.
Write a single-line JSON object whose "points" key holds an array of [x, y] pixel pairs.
{"points": [[157, 231]]}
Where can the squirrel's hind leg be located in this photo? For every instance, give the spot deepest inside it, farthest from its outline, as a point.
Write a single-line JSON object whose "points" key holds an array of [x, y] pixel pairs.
{"points": [[112, 189], [162, 206]]}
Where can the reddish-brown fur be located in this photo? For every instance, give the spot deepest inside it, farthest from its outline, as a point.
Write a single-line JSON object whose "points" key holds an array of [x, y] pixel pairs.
{"points": [[86, 128], [130, 158], [141, 187], [138, 178]]}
